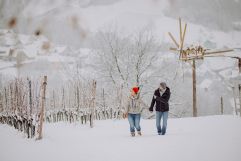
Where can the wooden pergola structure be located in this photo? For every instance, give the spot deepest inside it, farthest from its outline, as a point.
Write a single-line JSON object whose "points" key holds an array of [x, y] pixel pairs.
{"points": [[192, 53]]}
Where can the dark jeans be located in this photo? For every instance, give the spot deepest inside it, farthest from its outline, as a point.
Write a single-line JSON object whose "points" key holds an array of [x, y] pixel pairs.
{"points": [[134, 121]]}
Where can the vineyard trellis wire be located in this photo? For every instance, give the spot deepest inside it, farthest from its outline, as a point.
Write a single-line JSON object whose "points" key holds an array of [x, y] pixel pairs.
{"points": [[20, 102], [20, 99]]}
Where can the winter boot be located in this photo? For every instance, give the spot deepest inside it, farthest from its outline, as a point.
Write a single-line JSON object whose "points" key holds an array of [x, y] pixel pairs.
{"points": [[139, 133], [132, 134]]}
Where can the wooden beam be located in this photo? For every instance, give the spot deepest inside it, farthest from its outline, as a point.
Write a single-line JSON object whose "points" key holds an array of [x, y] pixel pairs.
{"points": [[173, 39], [30, 97], [218, 52], [180, 37], [93, 95], [239, 89], [42, 107], [235, 101], [216, 56], [191, 58], [180, 31], [173, 49], [221, 106], [239, 64], [183, 36], [194, 88]]}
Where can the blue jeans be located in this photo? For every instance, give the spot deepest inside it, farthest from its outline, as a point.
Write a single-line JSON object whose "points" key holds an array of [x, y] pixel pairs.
{"points": [[134, 121], [159, 116]]}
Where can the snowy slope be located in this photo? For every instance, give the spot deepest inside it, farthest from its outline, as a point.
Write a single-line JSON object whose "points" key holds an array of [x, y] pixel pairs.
{"points": [[216, 138]]}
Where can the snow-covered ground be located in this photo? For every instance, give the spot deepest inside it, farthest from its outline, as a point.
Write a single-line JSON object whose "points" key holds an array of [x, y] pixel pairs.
{"points": [[213, 138]]}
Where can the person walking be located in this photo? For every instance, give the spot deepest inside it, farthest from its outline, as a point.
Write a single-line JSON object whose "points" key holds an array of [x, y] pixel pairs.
{"points": [[161, 98], [133, 111]]}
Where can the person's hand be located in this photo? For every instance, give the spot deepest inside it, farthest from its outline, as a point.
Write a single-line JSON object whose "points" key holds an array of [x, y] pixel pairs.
{"points": [[125, 115], [150, 110]]}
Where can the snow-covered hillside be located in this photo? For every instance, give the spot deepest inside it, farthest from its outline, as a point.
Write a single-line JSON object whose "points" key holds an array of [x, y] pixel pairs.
{"points": [[74, 22], [214, 138]]}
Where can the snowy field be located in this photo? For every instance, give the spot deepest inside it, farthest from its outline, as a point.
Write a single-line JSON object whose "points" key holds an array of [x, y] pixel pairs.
{"points": [[212, 138]]}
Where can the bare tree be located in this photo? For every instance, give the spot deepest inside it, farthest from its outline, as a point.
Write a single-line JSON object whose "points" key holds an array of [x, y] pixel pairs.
{"points": [[145, 49], [125, 59], [112, 53]]}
